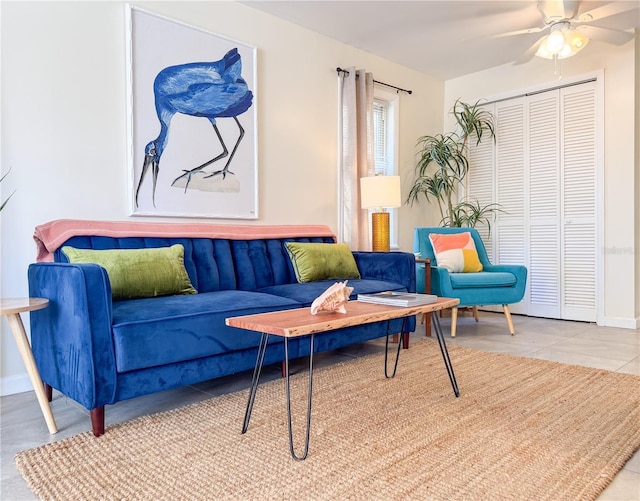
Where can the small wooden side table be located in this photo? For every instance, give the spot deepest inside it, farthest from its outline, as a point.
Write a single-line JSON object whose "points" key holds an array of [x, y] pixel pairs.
{"points": [[12, 307]]}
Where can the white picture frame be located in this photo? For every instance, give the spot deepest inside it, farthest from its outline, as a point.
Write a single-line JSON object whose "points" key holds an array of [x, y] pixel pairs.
{"points": [[192, 121]]}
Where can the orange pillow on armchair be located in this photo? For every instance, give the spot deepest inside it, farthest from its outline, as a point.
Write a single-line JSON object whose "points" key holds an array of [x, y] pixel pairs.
{"points": [[456, 252]]}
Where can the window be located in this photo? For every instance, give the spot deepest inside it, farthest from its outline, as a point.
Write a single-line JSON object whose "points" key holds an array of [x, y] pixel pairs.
{"points": [[385, 144], [381, 141]]}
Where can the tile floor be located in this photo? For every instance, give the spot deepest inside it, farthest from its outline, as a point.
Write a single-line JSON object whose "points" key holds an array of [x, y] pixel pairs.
{"points": [[22, 425]]}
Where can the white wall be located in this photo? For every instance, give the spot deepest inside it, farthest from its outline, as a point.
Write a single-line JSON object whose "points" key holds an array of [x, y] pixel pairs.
{"points": [[620, 163], [64, 123]]}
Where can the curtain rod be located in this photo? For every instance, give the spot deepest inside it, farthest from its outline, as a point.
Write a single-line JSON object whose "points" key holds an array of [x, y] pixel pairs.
{"points": [[398, 89]]}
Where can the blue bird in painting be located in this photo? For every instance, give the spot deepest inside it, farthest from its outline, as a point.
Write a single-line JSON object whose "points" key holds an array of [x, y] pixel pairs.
{"points": [[210, 90]]}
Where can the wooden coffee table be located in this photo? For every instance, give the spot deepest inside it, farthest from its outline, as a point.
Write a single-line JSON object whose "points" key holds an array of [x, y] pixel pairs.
{"points": [[299, 322]]}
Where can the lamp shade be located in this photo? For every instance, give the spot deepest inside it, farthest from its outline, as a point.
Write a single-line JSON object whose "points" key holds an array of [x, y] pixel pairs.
{"points": [[380, 192]]}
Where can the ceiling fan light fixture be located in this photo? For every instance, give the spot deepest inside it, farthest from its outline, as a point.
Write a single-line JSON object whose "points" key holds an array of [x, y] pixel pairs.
{"points": [[565, 52], [562, 42], [543, 51], [576, 39], [555, 41]]}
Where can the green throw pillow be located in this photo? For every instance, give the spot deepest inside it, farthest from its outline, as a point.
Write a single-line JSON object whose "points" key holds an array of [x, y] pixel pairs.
{"points": [[314, 261], [138, 273]]}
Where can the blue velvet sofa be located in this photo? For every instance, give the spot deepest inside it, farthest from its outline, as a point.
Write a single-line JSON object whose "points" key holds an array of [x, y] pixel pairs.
{"points": [[98, 351]]}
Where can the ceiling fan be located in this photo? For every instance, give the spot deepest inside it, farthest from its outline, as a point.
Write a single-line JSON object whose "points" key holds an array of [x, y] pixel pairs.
{"points": [[569, 30]]}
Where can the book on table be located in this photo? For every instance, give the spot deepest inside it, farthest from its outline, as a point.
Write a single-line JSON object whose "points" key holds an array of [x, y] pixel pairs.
{"points": [[398, 298]]}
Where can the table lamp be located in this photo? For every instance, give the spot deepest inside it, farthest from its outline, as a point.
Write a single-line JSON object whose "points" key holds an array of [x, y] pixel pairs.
{"points": [[380, 192]]}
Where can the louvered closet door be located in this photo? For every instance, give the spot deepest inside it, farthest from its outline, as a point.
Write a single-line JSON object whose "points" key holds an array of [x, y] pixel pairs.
{"points": [[544, 174], [480, 184], [579, 201], [511, 187], [544, 205]]}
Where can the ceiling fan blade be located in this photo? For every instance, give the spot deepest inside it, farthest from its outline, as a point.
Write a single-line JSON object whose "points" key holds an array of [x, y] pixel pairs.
{"points": [[519, 32], [529, 53], [610, 9], [615, 37]]}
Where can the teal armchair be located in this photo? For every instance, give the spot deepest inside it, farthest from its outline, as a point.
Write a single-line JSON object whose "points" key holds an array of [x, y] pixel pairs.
{"points": [[494, 285]]}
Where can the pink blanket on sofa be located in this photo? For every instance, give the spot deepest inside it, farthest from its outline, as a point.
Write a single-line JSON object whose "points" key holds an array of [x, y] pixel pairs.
{"points": [[49, 236]]}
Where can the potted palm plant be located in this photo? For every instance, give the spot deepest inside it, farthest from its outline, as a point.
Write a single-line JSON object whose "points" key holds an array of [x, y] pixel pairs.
{"points": [[448, 153]]}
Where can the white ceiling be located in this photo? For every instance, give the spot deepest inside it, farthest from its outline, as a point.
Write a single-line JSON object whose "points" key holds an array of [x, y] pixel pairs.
{"points": [[444, 39]]}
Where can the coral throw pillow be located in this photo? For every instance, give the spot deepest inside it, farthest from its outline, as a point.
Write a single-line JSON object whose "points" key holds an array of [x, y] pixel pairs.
{"points": [[456, 252]]}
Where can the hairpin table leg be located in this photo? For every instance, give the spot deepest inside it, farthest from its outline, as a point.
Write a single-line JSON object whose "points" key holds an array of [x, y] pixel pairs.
{"points": [[445, 353], [386, 348], [262, 349], [309, 395]]}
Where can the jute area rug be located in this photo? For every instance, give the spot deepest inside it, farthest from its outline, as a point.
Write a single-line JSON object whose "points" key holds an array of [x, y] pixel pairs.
{"points": [[521, 429]]}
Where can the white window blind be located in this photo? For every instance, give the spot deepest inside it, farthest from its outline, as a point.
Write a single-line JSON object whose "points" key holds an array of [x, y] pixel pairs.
{"points": [[381, 142]]}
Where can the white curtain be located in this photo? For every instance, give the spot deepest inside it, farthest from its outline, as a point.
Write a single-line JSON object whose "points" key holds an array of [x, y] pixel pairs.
{"points": [[356, 155]]}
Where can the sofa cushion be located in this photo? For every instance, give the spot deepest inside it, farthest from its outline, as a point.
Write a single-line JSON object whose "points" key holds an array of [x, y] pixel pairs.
{"points": [[482, 279], [456, 252], [139, 273], [321, 261], [164, 330], [307, 292]]}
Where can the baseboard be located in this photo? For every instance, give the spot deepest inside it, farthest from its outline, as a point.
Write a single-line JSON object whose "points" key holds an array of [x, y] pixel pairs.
{"points": [[618, 322], [15, 384], [622, 323]]}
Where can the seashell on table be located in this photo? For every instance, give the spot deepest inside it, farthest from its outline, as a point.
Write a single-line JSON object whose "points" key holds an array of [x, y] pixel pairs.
{"points": [[333, 299]]}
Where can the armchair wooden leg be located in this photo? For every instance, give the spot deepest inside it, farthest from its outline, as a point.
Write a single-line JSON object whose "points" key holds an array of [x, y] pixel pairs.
{"points": [[475, 313], [507, 314], [454, 321]]}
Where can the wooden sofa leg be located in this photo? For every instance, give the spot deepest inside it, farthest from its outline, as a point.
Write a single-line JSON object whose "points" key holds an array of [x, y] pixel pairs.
{"points": [[48, 391], [454, 321], [97, 420], [395, 338], [507, 314]]}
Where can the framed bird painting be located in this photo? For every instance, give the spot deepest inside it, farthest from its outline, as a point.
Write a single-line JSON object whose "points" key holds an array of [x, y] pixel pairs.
{"points": [[192, 121]]}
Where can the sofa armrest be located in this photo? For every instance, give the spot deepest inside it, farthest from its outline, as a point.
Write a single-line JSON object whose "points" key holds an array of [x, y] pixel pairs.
{"points": [[71, 338], [398, 267]]}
